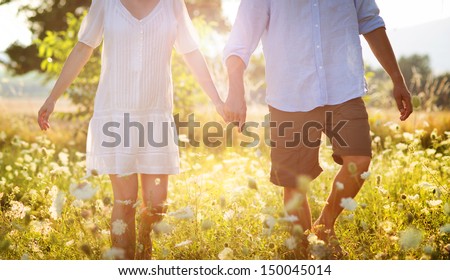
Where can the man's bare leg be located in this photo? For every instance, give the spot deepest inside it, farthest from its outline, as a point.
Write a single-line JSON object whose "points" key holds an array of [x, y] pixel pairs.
{"points": [[350, 177]]}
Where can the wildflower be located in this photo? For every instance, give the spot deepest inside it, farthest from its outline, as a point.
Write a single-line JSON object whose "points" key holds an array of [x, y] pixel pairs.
{"points": [[289, 219], [18, 210], [430, 152], [445, 229], [184, 243], [183, 214], [410, 238], [41, 227], [124, 202], [27, 158], [57, 205], [114, 254], [228, 215], [162, 228], [226, 254], [290, 243], [63, 158], [365, 175], [317, 247], [401, 146], [434, 203], [408, 136], [348, 203], [119, 227], [83, 191], [339, 186], [270, 222]]}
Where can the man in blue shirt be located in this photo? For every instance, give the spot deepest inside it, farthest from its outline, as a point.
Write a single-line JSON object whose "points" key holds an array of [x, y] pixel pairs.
{"points": [[315, 81]]}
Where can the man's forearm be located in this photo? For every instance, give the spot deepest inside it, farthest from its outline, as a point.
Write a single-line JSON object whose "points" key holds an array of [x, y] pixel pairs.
{"points": [[236, 68], [382, 49]]}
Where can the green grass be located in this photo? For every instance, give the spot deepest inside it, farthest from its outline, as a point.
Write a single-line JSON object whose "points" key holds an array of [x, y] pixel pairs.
{"points": [[403, 209]]}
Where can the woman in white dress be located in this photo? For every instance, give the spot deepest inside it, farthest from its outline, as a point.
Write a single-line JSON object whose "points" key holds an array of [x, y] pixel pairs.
{"points": [[131, 132]]}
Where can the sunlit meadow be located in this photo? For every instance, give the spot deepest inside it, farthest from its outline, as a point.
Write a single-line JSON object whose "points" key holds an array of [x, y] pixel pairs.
{"points": [[223, 206]]}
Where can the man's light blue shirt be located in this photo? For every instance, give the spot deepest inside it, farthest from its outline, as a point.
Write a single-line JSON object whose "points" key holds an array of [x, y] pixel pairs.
{"points": [[312, 48]]}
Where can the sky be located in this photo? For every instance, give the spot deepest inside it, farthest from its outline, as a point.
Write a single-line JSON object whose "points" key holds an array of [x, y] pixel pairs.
{"points": [[396, 13]]}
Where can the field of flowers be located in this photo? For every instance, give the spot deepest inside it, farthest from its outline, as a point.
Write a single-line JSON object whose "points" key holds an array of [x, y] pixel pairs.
{"points": [[222, 206]]}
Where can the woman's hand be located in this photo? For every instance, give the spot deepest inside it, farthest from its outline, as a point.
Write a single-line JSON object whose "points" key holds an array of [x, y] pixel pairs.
{"points": [[220, 109], [44, 114]]}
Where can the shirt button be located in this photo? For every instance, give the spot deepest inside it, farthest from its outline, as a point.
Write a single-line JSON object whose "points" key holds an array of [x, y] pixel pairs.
{"points": [[318, 46], [317, 25], [320, 67], [315, 4]]}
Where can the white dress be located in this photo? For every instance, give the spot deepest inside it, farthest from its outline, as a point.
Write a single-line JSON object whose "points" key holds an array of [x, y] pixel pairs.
{"points": [[132, 128]]}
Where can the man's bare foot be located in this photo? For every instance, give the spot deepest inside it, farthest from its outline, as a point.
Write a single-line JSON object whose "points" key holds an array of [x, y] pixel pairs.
{"points": [[330, 238]]}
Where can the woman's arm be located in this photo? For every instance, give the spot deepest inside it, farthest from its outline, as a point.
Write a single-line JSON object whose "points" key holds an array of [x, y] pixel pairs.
{"points": [[78, 57], [197, 65]]}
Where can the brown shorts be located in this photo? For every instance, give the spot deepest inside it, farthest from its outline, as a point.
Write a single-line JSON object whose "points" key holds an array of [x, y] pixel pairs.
{"points": [[296, 136]]}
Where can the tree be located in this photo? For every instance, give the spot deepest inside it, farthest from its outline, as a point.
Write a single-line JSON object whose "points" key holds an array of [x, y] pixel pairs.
{"points": [[416, 69], [51, 15]]}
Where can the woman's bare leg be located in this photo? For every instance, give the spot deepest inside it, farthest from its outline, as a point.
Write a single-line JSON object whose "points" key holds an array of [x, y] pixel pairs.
{"points": [[154, 195], [123, 225]]}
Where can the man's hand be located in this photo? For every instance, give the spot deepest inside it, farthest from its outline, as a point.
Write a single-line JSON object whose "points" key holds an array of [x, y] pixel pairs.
{"points": [[402, 97], [235, 110]]}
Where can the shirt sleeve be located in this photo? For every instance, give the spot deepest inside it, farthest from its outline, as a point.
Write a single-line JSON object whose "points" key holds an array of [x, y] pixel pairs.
{"points": [[251, 21], [187, 38], [368, 16], [91, 29]]}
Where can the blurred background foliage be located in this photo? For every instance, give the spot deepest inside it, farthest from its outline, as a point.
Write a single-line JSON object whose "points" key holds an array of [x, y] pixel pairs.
{"points": [[55, 24]]}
